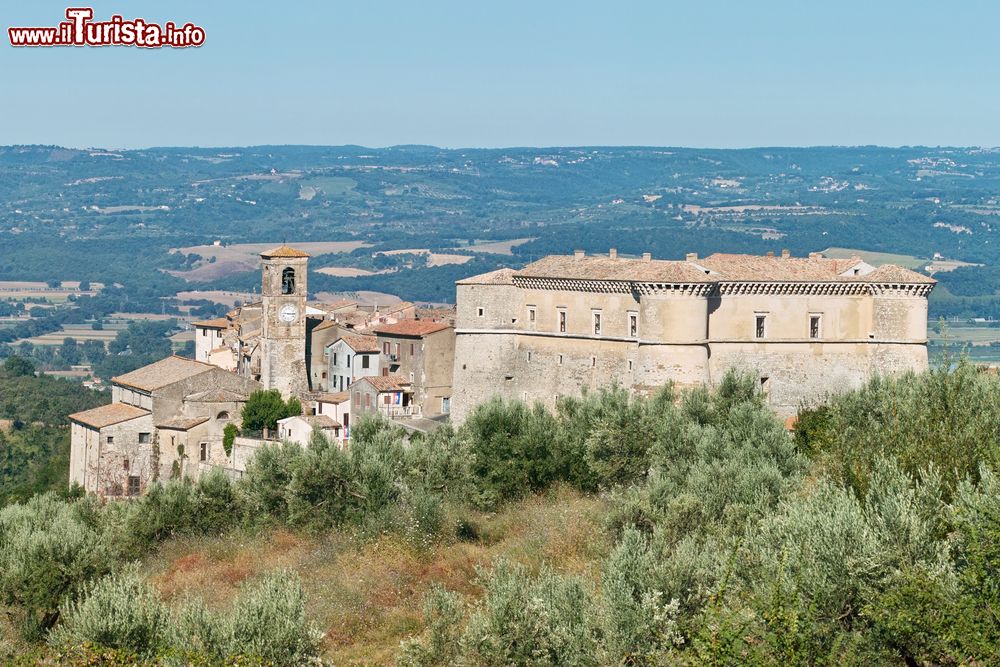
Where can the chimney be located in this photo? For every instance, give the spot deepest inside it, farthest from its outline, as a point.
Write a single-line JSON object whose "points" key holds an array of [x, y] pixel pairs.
{"points": [[815, 255], [691, 257], [786, 253], [613, 253], [770, 253], [578, 254], [647, 257]]}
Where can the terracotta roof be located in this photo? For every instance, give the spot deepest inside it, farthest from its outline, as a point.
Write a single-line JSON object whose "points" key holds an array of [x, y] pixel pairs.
{"points": [[387, 382], [890, 273], [217, 323], [394, 307], [325, 324], [216, 396], [498, 277], [162, 373], [182, 423], [361, 343], [283, 251], [340, 304], [777, 268], [411, 328], [719, 267], [617, 269], [107, 415], [322, 421], [335, 398], [808, 269]]}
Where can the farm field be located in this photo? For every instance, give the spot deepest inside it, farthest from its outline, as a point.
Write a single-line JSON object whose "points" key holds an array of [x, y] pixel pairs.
{"points": [[79, 332], [242, 257], [217, 296], [497, 247], [877, 258]]}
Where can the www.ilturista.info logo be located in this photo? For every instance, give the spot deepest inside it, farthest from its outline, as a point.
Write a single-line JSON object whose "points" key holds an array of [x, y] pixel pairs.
{"points": [[80, 30]]}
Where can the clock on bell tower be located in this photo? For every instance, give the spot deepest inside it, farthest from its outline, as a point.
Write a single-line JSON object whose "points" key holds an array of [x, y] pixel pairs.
{"points": [[283, 320]]}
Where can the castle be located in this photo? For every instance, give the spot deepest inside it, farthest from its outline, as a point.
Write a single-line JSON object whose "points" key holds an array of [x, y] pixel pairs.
{"points": [[806, 326]]}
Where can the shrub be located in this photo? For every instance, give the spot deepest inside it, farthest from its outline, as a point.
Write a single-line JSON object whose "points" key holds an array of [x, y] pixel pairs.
{"points": [[119, 611], [229, 434], [48, 553]]}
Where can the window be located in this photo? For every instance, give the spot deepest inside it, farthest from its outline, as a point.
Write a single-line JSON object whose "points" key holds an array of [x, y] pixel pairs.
{"points": [[528, 356], [814, 326], [334, 358], [411, 349], [630, 364], [288, 280], [593, 362], [445, 404], [368, 400], [560, 359], [222, 416], [397, 350], [480, 312], [562, 321], [144, 439], [633, 324], [357, 398], [597, 323], [765, 386], [324, 375], [387, 399], [133, 485], [760, 328], [111, 440], [531, 314], [364, 361], [203, 454], [348, 361], [385, 347], [204, 332], [125, 464]]}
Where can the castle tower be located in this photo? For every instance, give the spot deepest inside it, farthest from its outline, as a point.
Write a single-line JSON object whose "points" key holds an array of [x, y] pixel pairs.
{"points": [[283, 320]]}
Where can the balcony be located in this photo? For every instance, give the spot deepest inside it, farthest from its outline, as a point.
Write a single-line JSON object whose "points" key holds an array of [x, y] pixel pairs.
{"points": [[392, 411]]}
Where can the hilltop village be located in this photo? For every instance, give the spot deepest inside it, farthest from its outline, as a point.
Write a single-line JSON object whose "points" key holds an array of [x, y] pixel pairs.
{"points": [[806, 326]]}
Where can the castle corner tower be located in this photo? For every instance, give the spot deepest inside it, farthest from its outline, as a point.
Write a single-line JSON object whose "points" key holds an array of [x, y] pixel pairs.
{"points": [[283, 320]]}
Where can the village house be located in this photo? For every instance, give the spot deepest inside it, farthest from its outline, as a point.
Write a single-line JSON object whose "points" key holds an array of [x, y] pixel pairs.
{"points": [[165, 421], [351, 357], [300, 429], [423, 353], [388, 395], [807, 327]]}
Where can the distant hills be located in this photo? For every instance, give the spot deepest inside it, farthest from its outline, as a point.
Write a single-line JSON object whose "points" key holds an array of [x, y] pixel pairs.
{"points": [[114, 216]]}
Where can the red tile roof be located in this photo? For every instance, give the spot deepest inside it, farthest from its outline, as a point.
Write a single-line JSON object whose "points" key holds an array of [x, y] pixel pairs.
{"points": [[411, 328], [361, 343], [283, 251], [335, 398], [217, 323], [108, 415], [387, 382], [162, 373]]}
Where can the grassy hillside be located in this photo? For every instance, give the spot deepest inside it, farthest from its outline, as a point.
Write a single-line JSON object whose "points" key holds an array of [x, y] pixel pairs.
{"points": [[683, 529]]}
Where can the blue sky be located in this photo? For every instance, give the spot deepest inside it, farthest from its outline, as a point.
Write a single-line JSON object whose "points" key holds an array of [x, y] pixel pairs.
{"points": [[515, 73]]}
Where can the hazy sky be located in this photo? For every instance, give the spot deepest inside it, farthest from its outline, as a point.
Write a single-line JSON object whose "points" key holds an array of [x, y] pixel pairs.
{"points": [[514, 73]]}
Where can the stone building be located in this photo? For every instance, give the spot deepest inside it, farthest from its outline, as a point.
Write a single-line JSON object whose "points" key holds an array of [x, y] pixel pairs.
{"points": [[388, 395], [351, 357], [166, 420], [423, 353], [806, 326]]}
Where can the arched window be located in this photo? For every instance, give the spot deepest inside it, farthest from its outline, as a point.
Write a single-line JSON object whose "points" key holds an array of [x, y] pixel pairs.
{"points": [[288, 280], [222, 416]]}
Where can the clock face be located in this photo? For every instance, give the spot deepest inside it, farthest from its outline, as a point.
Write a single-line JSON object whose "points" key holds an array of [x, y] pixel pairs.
{"points": [[288, 313]]}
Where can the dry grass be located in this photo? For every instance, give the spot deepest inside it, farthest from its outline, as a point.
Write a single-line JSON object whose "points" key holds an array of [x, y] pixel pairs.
{"points": [[367, 593]]}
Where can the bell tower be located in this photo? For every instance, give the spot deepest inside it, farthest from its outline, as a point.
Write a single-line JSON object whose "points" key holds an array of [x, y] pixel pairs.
{"points": [[283, 320]]}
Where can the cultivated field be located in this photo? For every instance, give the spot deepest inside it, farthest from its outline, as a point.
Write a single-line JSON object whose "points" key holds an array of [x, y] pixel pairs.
{"points": [[216, 296], [877, 258], [497, 247], [242, 257], [79, 332]]}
